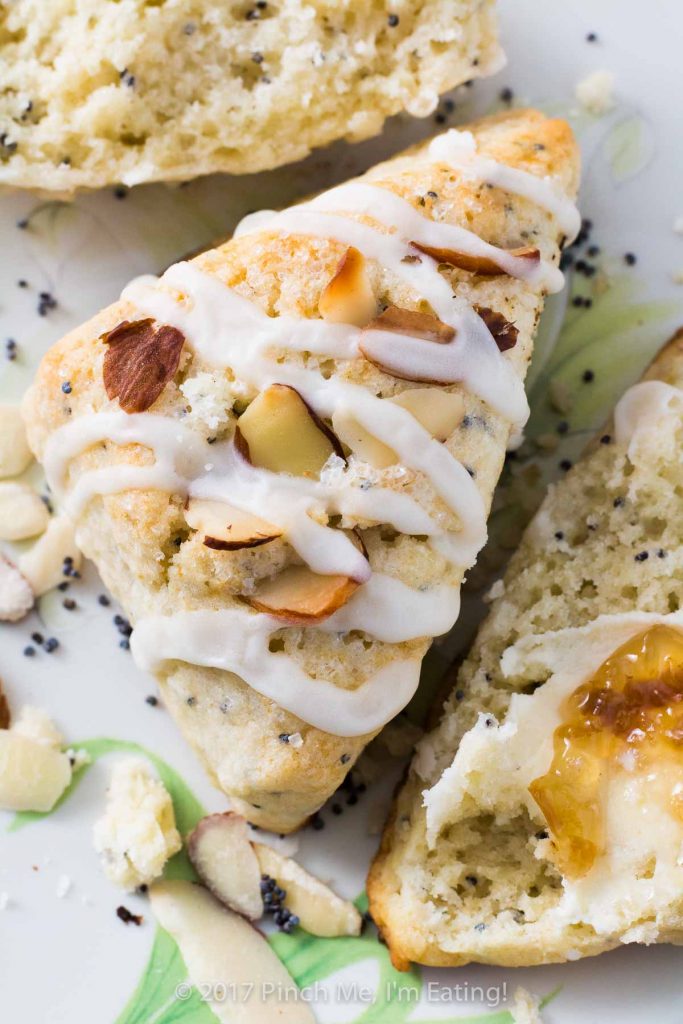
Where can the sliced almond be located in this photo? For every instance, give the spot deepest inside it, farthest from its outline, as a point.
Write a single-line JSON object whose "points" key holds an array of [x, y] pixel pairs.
{"points": [[487, 266], [15, 454], [224, 953], [300, 596], [361, 442], [22, 513], [414, 324], [16, 595], [504, 333], [33, 775], [319, 909], [279, 431], [43, 564], [439, 412], [224, 859], [225, 528], [141, 358], [348, 298]]}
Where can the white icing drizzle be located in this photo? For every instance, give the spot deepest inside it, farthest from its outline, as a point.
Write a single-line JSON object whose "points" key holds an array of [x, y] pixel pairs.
{"points": [[228, 331], [642, 407], [200, 638], [459, 150]]}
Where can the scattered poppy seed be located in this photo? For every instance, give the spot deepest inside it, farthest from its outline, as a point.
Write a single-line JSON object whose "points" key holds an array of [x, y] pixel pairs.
{"points": [[103, 600], [618, 502], [124, 645], [606, 439], [152, 700], [69, 604], [317, 823], [506, 95], [588, 376], [22, 224], [661, 553], [393, 20], [38, 638], [29, 652], [22, 283], [120, 192], [642, 556], [592, 37], [51, 644], [630, 259], [284, 737], [559, 535], [345, 758], [565, 464], [66, 387]]}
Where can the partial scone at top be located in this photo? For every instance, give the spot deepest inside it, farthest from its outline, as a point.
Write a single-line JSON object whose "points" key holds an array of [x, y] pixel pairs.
{"points": [[159, 558], [540, 821], [95, 92]]}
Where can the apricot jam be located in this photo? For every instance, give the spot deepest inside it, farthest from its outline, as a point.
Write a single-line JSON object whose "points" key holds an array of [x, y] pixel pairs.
{"points": [[630, 713]]}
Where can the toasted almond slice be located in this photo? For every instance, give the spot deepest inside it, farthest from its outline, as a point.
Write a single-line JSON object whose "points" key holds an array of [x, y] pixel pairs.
{"points": [[437, 411], [141, 358], [411, 322], [22, 513], [224, 859], [225, 528], [361, 442], [319, 909], [43, 564], [484, 265], [33, 775], [16, 595], [279, 431], [300, 596], [15, 454], [504, 333], [224, 953], [348, 298]]}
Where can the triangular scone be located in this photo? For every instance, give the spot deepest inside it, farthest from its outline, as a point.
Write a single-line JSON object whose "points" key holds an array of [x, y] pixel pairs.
{"points": [[556, 830], [289, 375]]}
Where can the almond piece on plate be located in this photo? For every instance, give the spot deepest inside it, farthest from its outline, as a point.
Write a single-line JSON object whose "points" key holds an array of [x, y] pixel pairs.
{"points": [[15, 454], [225, 528], [439, 412], [224, 859], [22, 513], [43, 564], [279, 431], [141, 358], [34, 771], [300, 596], [319, 909], [348, 298], [16, 595], [223, 952], [361, 442], [5, 715], [484, 265]]}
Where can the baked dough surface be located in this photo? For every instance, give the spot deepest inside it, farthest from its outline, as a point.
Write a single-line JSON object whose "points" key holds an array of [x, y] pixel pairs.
{"points": [[96, 92], [458, 902], [154, 565]]}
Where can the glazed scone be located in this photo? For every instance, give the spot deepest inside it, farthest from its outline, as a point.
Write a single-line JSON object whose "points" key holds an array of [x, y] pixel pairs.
{"points": [[555, 831], [94, 92], [289, 522]]}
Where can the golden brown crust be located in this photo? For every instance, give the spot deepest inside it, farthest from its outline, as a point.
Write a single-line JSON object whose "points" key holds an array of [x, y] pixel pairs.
{"points": [[139, 540]]}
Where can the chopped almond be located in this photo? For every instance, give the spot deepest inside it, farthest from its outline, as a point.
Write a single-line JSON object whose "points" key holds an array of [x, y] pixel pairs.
{"points": [[484, 265], [15, 454], [22, 512], [439, 412], [348, 298], [361, 442], [300, 596], [504, 333], [417, 325], [225, 528], [279, 431], [140, 360], [5, 716], [43, 564], [224, 859], [16, 595]]}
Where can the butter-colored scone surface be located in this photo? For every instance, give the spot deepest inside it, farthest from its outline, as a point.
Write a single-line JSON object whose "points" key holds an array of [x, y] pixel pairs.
{"points": [[155, 565], [484, 885], [95, 92]]}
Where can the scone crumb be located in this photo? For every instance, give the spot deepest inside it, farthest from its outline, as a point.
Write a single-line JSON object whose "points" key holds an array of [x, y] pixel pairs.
{"points": [[595, 92], [137, 834], [526, 1007]]}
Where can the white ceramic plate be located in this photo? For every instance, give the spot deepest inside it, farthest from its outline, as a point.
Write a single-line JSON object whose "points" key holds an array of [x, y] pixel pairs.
{"points": [[67, 959]]}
